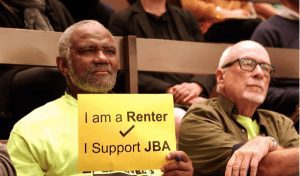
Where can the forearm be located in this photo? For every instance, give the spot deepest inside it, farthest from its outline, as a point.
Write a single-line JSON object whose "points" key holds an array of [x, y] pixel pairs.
{"points": [[202, 10], [280, 162]]}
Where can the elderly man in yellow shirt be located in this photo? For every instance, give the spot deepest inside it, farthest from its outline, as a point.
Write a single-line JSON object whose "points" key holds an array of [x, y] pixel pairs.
{"points": [[45, 142]]}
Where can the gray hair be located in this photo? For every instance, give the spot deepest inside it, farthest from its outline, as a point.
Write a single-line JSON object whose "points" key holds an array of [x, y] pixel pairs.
{"points": [[64, 43], [226, 55]]}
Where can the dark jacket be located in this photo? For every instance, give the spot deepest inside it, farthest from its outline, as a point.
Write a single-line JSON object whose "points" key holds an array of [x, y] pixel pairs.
{"points": [[56, 12], [89, 9], [134, 21]]}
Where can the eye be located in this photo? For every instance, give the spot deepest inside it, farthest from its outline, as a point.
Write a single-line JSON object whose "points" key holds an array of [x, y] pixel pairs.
{"points": [[109, 51], [87, 50], [266, 67], [249, 62]]}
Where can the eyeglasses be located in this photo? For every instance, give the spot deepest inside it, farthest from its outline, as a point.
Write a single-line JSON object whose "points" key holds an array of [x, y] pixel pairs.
{"points": [[249, 64]]}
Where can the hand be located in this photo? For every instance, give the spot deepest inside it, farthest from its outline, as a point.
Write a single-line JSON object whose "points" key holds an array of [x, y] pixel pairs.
{"points": [[185, 92], [249, 156], [236, 13], [182, 167]]}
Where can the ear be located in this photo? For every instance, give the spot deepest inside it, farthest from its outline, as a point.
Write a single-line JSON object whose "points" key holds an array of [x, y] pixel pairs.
{"points": [[220, 78], [62, 65]]}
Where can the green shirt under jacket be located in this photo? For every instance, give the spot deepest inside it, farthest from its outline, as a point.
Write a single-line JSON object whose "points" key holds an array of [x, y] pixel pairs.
{"points": [[209, 131]]}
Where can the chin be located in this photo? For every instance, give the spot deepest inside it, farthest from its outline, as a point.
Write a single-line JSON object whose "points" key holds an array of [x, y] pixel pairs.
{"points": [[254, 97]]}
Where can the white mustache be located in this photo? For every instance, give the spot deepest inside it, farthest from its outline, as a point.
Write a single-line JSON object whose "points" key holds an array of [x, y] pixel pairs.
{"points": [[256, 83]]}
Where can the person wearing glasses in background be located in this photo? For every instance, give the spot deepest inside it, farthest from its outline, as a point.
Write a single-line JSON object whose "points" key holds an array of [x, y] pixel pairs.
{"points": [[229, 134]]}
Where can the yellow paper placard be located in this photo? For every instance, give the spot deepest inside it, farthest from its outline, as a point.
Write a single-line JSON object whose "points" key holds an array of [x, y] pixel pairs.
{"points": [[124, 131]]}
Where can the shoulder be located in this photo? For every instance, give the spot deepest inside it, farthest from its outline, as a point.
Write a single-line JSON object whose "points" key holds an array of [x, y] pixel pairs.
{"points": [[206, 109], [40, 116], [125, 14], [275, 121], [272, 116], [182, 12]]}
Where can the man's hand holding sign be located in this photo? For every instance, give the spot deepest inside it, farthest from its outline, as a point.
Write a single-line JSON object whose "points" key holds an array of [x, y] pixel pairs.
{"points": [[127, 132]]}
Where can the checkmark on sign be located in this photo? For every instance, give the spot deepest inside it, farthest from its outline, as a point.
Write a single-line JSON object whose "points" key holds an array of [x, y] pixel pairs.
{"points": [[124, 134]]}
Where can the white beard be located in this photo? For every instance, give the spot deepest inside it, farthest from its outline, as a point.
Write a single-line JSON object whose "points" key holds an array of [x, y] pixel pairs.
{"points": [[254, 96], [93, 84]]}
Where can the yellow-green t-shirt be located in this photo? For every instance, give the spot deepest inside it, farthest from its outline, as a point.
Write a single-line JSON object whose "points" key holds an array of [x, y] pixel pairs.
{"points": [[45, 142]]}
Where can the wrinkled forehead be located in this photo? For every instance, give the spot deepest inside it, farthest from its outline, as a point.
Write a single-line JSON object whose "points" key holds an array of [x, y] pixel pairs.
{"points": [[91, 31], [245, 49], [251, 50]]}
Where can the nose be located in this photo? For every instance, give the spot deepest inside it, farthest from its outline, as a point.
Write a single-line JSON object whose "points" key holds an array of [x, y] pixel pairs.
{"points": [[258, 72], [100, 57]]}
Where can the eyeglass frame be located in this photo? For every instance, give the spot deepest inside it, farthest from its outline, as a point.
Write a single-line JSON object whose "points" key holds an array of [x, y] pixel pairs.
{"points": [[272, 68]]}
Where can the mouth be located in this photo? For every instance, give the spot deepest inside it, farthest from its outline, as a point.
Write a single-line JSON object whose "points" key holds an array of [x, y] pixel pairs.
{"points": [[256, 88], [101, 71]]}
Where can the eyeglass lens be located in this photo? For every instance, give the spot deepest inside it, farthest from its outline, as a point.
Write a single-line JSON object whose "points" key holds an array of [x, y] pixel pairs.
{"points": [[250, 64]]}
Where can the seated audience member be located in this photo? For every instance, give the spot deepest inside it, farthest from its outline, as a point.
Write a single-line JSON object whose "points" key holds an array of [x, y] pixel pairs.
{"points": [[283, 94], [50, 15], [228, 134], [271, 32], [6, 167], [45, 142], [89, 9], [226, 21], [47, 15], [161, 20]]}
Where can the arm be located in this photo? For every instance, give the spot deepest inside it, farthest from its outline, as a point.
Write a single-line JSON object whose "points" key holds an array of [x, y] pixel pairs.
{"points": [[153, 82], [184, 93], [178, 163], [202, 136], [22, 157], [6, 167], [264, 9], [207, 82], [204, 10], [249, 155], [267, 35], [260, 155], [200, 9], [280, 162]]}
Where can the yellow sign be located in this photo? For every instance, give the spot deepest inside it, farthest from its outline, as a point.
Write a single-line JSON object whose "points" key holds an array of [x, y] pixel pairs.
{"points": [[125, 131]]}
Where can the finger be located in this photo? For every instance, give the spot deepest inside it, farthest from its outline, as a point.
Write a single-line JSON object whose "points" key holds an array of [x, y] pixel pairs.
{"points": [[237, 165], [229, 166], [180, 167], [177, 92], [245, 164], [182, 95], [174, 154], [253, 166]]}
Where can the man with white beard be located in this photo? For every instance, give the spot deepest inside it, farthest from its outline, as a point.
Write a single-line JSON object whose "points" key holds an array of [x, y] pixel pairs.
{"points": [[228, 134], [45, 141]]}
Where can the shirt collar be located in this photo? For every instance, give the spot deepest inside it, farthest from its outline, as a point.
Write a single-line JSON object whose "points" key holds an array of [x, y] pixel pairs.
{"points": [[70, 99], [231, 111]]}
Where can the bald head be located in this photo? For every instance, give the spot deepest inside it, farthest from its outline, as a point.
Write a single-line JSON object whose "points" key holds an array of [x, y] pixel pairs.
{"points": [[244, 47]]}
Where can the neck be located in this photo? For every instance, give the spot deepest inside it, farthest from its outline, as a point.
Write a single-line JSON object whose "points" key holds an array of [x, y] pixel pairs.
{"points": [[156, 7], [246, 109]]}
